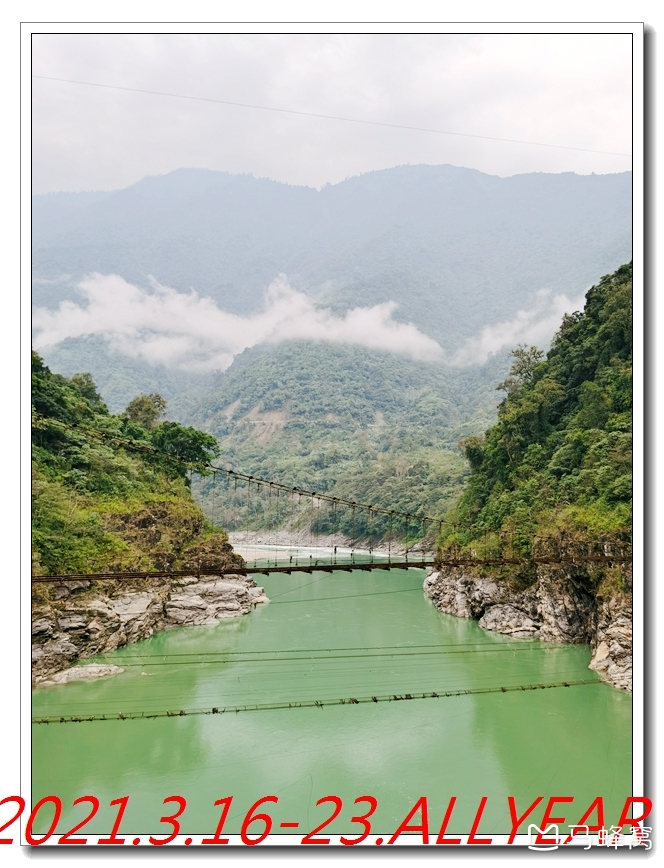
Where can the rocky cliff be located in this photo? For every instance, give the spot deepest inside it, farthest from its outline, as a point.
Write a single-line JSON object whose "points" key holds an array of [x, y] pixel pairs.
{"points": [[82, 620], [564, 602]]}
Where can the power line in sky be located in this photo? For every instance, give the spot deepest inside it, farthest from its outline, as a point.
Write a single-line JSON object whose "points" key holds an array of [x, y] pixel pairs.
{"points": [[330, 117]]}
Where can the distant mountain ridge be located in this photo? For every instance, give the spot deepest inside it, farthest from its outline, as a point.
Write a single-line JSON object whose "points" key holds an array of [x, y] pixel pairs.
{"points": [[455, 248]]}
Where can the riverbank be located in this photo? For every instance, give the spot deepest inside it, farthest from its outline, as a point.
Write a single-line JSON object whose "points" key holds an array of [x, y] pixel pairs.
{"points": [[561, 603], [83, 619], [304, 538]]}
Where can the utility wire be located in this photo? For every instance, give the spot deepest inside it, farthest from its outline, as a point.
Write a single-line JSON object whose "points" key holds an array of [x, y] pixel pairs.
{"points": [[351, 648], [329, 117], [346, 596], [305, 658]]}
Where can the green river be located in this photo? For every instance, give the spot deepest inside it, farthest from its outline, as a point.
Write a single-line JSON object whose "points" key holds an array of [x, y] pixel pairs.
{"points": [[326, 637]]}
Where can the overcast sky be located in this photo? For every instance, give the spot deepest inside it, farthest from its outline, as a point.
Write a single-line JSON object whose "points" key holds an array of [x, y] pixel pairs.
{"points": [[571, 90]]}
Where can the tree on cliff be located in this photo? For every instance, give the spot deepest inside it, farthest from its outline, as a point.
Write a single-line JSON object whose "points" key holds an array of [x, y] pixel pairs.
{"points": [[186, 444], [560, 454], [146, 410], [523, 368]]}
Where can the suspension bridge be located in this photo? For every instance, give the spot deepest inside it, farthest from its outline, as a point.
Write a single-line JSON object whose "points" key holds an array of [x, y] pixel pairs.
{"points": [[283, 529], [287, 529]]}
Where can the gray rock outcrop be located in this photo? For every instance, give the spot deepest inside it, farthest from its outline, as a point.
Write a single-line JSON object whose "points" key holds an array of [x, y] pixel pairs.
{"points": [[207, 601], [80, 622], [612, 642], [559, 606]]}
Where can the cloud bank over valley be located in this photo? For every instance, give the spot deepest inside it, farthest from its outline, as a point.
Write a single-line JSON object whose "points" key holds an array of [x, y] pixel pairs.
{"points": [[183, 329]]}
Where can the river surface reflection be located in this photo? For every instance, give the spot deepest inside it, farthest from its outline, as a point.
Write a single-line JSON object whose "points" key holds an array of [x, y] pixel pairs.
{"points": [[328, 636]]}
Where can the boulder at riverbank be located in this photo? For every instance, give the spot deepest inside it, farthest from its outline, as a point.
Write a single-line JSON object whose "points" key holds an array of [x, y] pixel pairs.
{"points": [[85, 621], [81, 673]]}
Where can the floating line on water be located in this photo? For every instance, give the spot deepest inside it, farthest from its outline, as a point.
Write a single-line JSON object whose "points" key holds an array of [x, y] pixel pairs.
{"points": [[310, 703], [297, 588]]}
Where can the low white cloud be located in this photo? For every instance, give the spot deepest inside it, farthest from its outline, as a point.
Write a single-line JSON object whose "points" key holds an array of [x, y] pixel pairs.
{"points": [[184, 329], [534, 326]]}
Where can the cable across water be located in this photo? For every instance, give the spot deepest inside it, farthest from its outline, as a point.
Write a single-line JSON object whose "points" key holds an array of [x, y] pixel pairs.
{"points": [[310, 703]]}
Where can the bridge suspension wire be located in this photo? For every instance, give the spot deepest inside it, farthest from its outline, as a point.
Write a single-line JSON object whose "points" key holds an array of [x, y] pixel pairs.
{"points": [[338, 501], [208, 467], [352, 537], [441, 693], [371, 534], [389, 540], [277, 530], [324, 567], [483, 538], [334, 524], [318, 517]]}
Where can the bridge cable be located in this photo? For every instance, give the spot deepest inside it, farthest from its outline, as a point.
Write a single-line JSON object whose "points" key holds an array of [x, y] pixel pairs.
{"points": [[311, 703]]}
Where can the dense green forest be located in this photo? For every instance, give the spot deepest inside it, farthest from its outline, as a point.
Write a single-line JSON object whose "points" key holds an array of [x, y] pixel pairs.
{"points": [[371, 426], [560, 455], [112, 492]]}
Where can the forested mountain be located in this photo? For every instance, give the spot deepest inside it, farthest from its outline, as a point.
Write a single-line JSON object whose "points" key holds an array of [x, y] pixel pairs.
{"points": [[456, 249], [119, 377], [560, 456], [358, 423], [109, 492]]}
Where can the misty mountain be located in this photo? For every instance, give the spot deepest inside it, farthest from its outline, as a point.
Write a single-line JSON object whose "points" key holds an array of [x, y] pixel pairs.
{"points": [[456, 249]]}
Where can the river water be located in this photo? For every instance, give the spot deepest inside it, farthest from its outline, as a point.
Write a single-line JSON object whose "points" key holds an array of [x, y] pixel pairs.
{"points": [[325, 637]]}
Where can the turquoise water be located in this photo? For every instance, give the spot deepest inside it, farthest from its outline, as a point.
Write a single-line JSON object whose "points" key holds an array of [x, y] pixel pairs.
{"points": [[326, 637]]}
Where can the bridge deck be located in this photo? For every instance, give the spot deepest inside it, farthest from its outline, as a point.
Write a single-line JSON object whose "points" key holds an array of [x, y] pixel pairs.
{"points": [[321, 568], [237, 571]]}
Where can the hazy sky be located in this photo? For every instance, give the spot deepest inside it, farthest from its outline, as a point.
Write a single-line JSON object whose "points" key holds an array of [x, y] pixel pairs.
{"points": [[572, 90]]}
